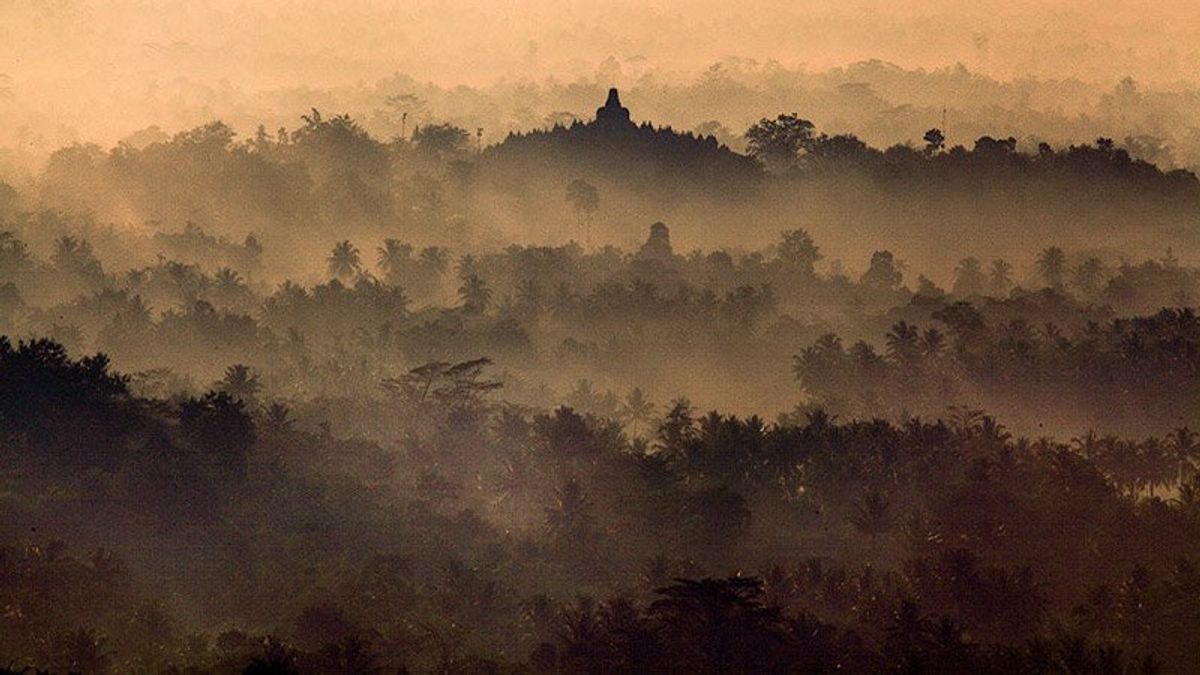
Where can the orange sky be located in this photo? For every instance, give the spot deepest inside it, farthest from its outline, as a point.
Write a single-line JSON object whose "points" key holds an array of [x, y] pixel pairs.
{"points": [[86, 64]]}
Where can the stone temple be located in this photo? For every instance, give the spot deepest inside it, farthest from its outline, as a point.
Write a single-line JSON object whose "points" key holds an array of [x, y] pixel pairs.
{"points": [[658, 245], [612, 114]]}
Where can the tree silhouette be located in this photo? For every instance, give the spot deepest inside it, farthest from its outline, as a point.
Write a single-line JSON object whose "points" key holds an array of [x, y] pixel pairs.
{"points": [[999, 280], [968, 278], [475, 294], [638, 411], [74, 257], [585, 199], [278, 417], [240, 383], [884, 273], [1052, 264], [274, 659], [719, 625], [441, 142], [1185, 450], [218, 426], [569, 520], [799, 251], [392, 257], [228, 281], [778, 143], [872, 515], [1089, 276], [449, 386], [935, 141], [932, 343], [903, 342], [344, 262], [435, 258]]}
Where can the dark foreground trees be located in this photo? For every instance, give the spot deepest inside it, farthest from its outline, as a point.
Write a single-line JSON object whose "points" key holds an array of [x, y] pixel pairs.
{"points": [[208, 536]]}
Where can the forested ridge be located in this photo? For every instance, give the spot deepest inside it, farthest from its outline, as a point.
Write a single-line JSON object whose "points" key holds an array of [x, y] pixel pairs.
{"points": [[316, 402], [489, 536]]}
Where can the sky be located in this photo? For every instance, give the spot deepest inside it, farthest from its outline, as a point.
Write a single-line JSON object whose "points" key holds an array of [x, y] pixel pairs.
{"points": [[98, 70]]}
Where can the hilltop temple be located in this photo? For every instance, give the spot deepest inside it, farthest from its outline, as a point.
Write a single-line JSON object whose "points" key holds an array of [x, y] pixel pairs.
{"points": [[658, 245], [616, 152], [612, 114]]}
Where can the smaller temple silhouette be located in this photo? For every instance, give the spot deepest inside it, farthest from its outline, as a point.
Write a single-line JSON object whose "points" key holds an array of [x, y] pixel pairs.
{"points": [[658, 244], [612, 115]]}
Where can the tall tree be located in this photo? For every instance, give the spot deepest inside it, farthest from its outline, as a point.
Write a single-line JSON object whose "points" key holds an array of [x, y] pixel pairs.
{"points": [[585, 199], [392, 257], [904, 343], [799, 251], [1089, 277], [999, 279], [240, 383], [1052, 264], [475, 295], [935, 141], [344, 262], [968, 278], [778, 143], [884, 273], [638, 410], [1185, 450]]}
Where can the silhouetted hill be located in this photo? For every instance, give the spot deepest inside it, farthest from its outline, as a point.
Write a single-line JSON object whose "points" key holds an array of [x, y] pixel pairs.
{"points": [[617, 151]]}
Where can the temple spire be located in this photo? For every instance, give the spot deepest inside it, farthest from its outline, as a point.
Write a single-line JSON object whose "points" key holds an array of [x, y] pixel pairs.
{"points": [[613, 114]]}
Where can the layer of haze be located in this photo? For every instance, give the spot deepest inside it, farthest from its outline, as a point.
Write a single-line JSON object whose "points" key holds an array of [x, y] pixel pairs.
{"points": [[97, 71]]}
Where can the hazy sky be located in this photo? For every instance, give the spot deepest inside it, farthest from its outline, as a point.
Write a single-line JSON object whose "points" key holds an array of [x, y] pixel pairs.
{"points": [[97, 67]]}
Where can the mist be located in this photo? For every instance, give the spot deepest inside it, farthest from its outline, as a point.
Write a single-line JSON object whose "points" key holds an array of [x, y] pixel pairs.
{"points": [[84, 71], [595, 337]]}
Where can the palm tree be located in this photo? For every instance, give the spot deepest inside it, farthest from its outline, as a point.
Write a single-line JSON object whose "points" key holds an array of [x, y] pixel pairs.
{"points": [[1188, 500], [75, 255], [1156, 463], [585, 199], [135, 312], [530, 294], [14, 256], [227, 277], [968, 278], [278, 417], [227, 280], [436, 258], [583, 397], [872, 515], [1089, 276], [992, 431], [475, 294], [903, 342], [638, 410], [344, 261], [932, 343], [720, 625], [239, 382], [569, 519], [999, 277], [65, 247], [1052, 263], [1184, 449], [391, 258]]}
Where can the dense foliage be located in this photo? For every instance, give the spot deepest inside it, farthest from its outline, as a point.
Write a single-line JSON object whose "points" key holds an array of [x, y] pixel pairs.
{"points": [[232, 445], [551, 540]]}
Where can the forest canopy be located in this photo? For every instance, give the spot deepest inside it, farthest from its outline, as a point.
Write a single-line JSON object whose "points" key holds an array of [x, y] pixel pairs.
{"points": [[602, 396]]}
